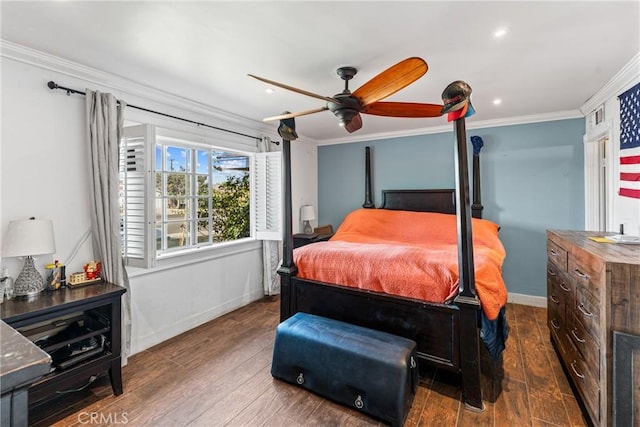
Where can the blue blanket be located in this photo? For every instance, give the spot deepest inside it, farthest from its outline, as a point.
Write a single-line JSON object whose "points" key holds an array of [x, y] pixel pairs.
{"points": [[494, 333]]}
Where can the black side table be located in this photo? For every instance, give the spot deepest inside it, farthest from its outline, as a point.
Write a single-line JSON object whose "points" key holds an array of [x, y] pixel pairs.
{"points": [[89, 314], [305, 239]]}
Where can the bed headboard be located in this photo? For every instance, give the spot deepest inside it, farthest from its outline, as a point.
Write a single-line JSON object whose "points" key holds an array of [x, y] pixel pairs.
{"points": [[441, 201]]}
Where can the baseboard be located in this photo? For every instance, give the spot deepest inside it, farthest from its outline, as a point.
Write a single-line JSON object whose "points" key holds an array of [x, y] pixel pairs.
{"points": [[149, 340], [157, 337], [527, 300]]}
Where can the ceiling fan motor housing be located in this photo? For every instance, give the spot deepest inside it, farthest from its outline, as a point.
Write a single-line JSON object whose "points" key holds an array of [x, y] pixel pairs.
{"points": [[346, 109]]}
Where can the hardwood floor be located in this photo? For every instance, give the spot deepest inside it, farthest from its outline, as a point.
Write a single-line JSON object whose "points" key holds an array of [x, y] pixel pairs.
{"points": [[219, 374]]}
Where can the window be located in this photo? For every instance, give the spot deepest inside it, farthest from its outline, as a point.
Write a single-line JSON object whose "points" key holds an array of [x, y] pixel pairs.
{"points": [[202, 195], [178, 193]]}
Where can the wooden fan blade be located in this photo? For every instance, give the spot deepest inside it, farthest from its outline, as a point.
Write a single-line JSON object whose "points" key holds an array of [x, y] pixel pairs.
{"points": [[354, 124], [391, 80], [298, 114], [294, 89], [403, 109]]}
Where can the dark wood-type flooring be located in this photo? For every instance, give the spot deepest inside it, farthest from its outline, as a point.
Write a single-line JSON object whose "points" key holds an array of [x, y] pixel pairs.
{"points": [[219, 374]]}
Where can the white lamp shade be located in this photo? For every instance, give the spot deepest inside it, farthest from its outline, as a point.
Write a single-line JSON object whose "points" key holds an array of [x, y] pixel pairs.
{"points": [[307, 213], [29, 237]]}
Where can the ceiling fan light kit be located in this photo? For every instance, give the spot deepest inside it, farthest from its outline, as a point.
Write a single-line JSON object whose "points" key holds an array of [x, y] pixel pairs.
{"points": [[347, 106]]}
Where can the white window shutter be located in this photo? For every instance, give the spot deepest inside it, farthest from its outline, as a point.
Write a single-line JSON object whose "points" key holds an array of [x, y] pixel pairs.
{"points": [[268, 195], [137, 197]]}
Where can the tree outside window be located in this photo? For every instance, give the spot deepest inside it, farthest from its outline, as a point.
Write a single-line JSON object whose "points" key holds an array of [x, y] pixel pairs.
{"points": [[202, 196]]}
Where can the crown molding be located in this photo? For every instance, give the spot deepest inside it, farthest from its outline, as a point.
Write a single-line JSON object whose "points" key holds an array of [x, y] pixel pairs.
{"points": [[482, 124], [118, 83], [623, 80]]}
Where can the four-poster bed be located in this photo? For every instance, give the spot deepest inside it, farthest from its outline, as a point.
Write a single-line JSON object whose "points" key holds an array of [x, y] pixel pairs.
{"points": [[447, 335]]}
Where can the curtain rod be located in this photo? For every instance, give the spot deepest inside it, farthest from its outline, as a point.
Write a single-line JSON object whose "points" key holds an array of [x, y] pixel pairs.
{"points": [[53, 85]]}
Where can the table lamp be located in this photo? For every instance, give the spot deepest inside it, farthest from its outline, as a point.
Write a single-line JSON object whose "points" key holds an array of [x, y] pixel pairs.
{"points": [[27, 238], [307, 214]]}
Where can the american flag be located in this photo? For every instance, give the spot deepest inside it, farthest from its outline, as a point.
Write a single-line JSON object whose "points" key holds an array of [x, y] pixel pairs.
{"points": [[630, 143]]}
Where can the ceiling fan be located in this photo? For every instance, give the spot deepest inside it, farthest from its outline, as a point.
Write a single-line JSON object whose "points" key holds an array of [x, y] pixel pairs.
{"points": [[366, 99]]}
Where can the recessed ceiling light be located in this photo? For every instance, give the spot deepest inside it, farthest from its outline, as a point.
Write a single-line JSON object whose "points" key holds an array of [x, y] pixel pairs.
{"points": [[500, 32], [269, 90], [497, 101]]}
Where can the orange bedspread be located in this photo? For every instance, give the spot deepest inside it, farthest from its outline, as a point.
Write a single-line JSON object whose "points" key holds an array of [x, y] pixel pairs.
{"points": [[411, 254]]}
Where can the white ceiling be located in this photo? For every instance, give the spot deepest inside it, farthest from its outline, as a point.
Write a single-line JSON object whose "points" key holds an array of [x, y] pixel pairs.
{"points": [[554, 56]]}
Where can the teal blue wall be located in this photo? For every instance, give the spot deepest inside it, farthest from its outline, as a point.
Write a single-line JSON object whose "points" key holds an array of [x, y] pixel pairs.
{"points": [[532, 180]]}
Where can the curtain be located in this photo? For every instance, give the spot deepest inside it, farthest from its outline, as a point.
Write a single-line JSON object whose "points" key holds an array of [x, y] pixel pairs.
{"points": [[104, 131], [271, 249]]}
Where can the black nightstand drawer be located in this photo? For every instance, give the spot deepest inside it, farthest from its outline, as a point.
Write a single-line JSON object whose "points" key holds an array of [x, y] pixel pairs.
{"points": [[305, 239]]}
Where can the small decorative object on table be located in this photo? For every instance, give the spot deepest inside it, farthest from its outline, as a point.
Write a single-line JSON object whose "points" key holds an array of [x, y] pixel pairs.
{"points": [[91, 274], [92, 269], [6, 285], [56, 276]]}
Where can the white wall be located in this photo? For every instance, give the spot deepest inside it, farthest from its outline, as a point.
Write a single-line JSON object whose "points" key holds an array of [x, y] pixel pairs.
{"points": [[43, 173], [620, 210], [304, 180]]}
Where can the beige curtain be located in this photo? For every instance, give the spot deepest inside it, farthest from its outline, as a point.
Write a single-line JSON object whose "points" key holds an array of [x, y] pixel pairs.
{"points": [[104, 131], [271, 249]]}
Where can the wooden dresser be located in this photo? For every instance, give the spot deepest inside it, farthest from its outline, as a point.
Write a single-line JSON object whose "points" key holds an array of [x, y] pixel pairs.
{"points": [[593, 289]]}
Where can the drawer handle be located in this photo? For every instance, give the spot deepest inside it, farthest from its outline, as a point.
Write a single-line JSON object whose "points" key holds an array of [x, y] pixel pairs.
{"points": [[573, 332], [580, 274], [579, 375], [552, 252], [551, 272], [554, 299], [554, 324], [583, 311], [566, 289]]}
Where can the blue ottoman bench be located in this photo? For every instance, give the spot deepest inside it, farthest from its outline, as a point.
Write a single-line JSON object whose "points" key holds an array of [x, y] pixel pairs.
{"points": [[371, 371]]}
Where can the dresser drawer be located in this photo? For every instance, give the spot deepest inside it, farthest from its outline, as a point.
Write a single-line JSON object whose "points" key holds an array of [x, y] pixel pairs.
{"points": [[586, 271], [561, 342], [586, 383], [587, 344], [560, 281], [556, 306], [557, 255], [587, 311], [556, 318]]}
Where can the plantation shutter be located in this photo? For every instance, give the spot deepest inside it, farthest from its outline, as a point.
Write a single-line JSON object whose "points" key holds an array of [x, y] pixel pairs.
{"points": [[268, 195], [137, 201]]}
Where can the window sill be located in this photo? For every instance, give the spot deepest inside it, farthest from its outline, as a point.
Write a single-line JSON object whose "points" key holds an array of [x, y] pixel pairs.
{"points": [[197, 255]]}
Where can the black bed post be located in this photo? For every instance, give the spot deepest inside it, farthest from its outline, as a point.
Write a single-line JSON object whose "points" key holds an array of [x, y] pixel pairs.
{"points": [[467, 300], [368, 202], [476, 207], [288, 267]]}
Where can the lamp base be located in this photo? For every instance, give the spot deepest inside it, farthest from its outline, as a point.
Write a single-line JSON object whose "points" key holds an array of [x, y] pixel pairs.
{"points": [[29, 282], [307, 228]]}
